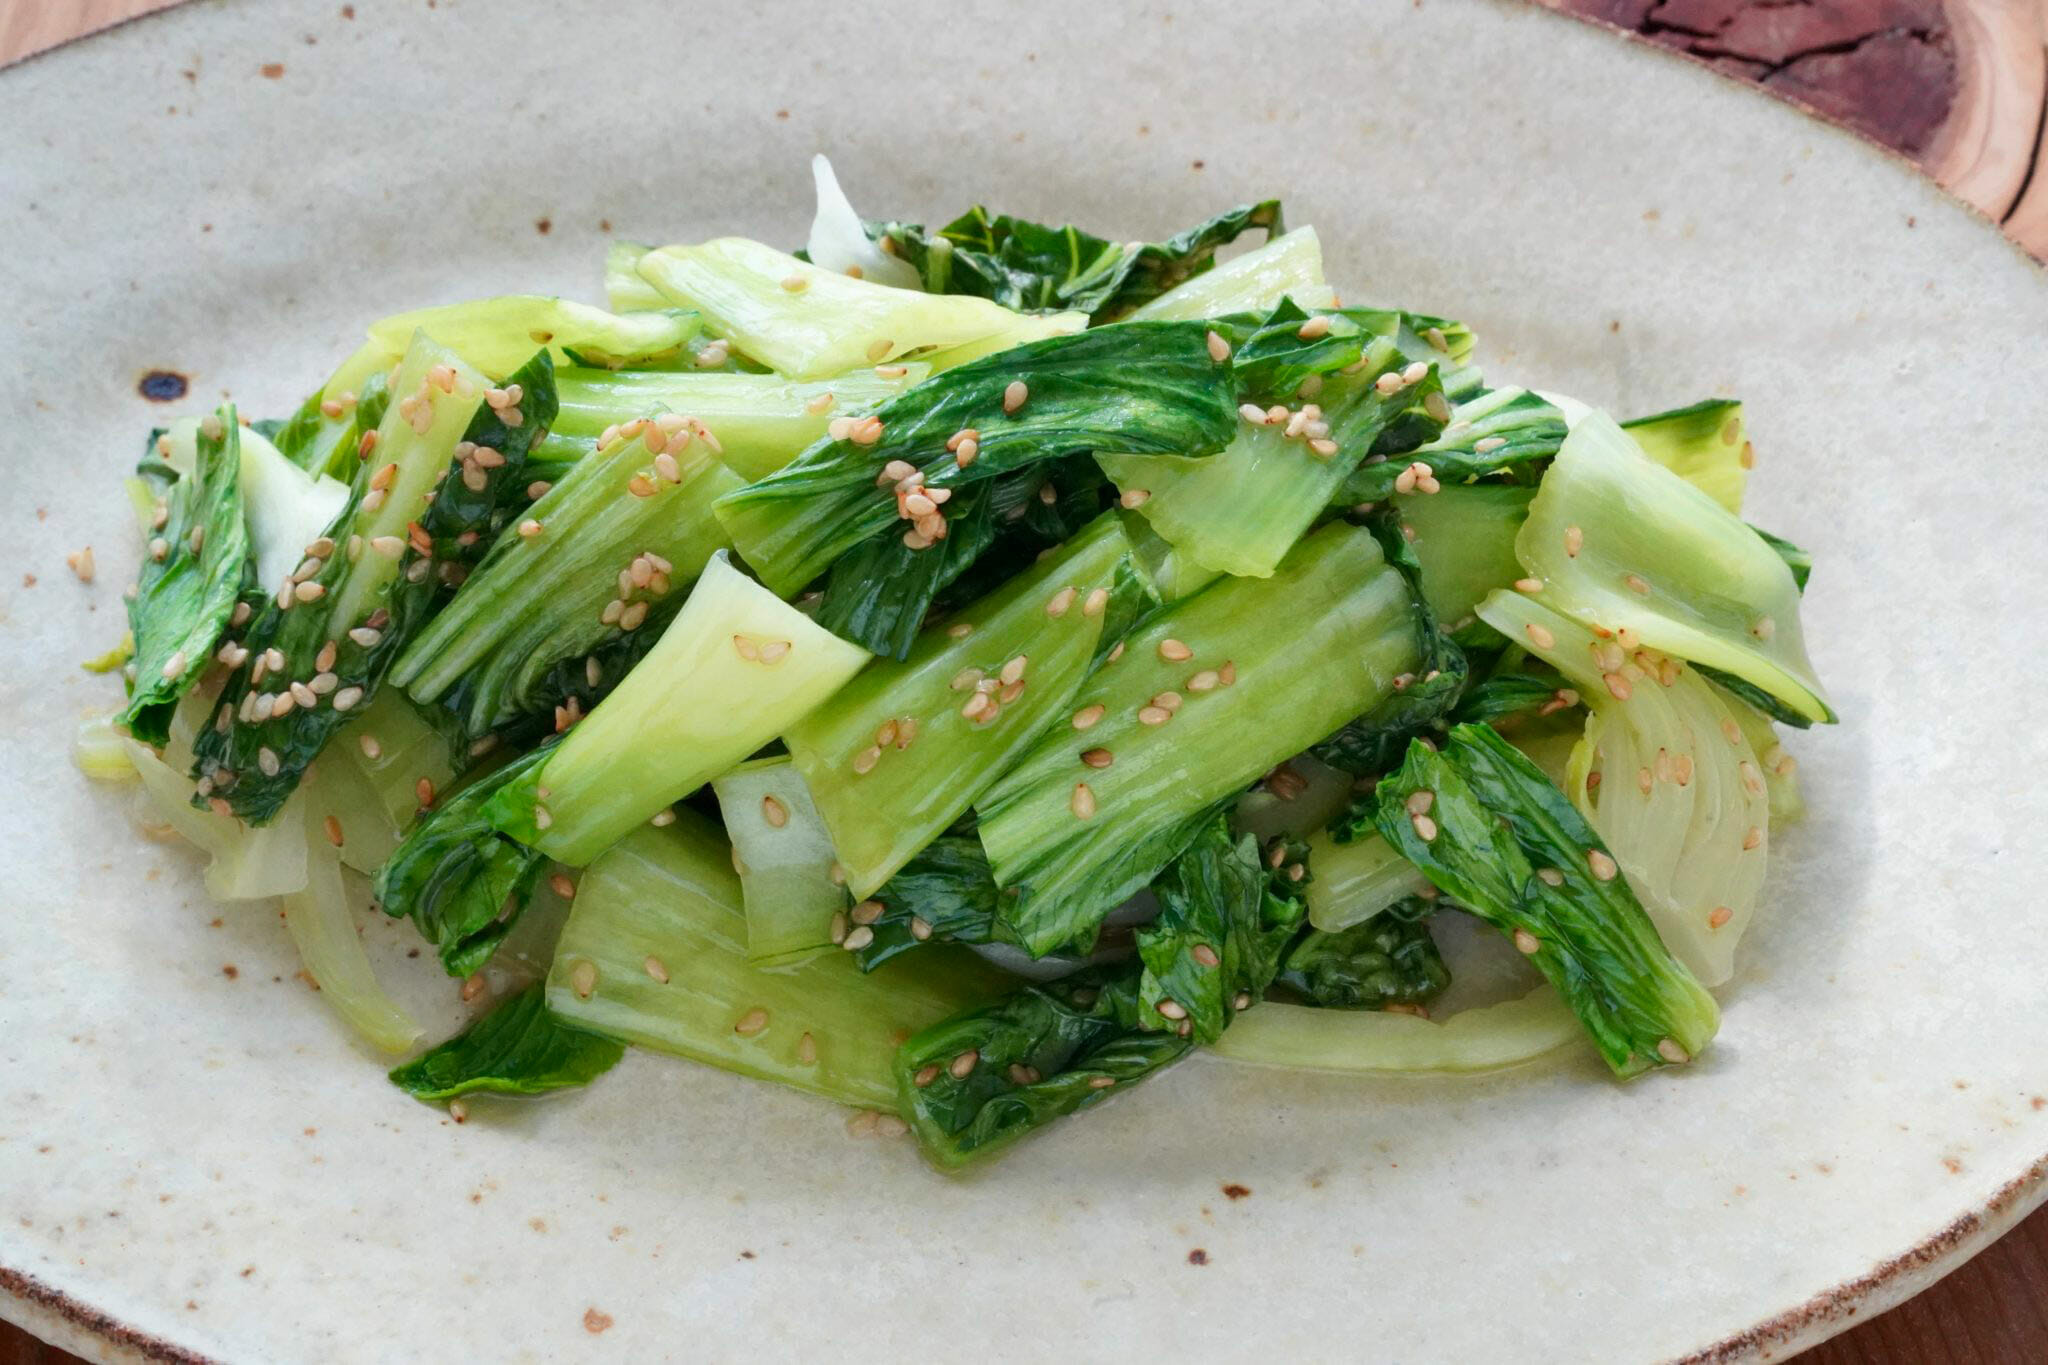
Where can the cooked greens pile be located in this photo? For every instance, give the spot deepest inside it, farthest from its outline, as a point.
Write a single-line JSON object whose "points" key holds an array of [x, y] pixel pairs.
{"points": [[960, 672]]}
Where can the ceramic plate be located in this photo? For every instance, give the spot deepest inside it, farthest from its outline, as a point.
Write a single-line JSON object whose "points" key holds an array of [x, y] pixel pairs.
{"points": [[195, 1160]]}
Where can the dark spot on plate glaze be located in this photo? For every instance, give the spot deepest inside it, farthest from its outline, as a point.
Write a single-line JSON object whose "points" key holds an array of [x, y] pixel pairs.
{"points": [[273, 71], [595, 1321], [543, 225], [1236, 1191], [162, 386], [746, 1255], [230, 970], [1198, 1257]]}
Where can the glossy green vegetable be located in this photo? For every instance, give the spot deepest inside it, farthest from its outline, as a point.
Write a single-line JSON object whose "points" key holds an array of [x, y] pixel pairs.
{"points": [[519, 1048]]}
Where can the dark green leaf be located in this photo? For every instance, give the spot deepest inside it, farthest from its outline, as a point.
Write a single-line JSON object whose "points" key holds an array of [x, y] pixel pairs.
{"points": [[519, 1048], [1748, 692], [1799, 561], [459, 881], [1527, 428], [1033, 267], [1483, 823], [476, 500], [1216, 944], [1389, 959], [1139, 386], [192, 573], [948, 887], [1504, 694], [981, 1080]]}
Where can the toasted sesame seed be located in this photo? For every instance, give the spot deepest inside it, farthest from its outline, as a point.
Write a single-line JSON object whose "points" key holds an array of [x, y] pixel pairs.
{"points": [[1082, 802], [1672, 1052], [304, 695], [1527, 943], [1154, 715], [773, 651], [1764, 628], [920, 928], [1318, 326], [1529, 585], [867, 912], [1387, 384], [1489, 443], [1425, 828], [925, 1075], [866, 432], [1167, 701], [866, 759], [1014, 669], [1087, 716], [838, 927], [1539, 636], [1253, 413], [661, 819], [1098, 758], [880, 348], [633, 616], [1322, 446], [1419, 802], [858, 939], [267, 761], [961, 1065], [751, 1023], [1603, 866], [1616, 685], [1101, 1082], [1437, 406], [1227, 675], [1059, 602], [1752, 781], [1173, 651], [1015, 394], [1636, 583], [1010, 692], [1550, 876], [1172, 1009], [1574, 541], [159, 549]]}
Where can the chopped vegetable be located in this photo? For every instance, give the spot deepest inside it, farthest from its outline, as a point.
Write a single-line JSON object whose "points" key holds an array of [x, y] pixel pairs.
{"points": [[519, 1048], [1384, 960], [791, 881], [1704, 444]]}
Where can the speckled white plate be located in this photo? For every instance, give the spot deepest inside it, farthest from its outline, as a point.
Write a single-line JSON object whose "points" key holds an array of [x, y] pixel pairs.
{"points": [[195, 1161]]}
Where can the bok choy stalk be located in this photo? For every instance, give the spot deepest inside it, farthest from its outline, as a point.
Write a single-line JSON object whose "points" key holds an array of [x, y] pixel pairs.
{"points": [[1107, 799], [1680, 798], [655, 952], [1464, 543], [751, 666], [1287, 266], [907, 747], [761, 421], [320, 647], [1485, 1039], [789, 877], [624, 290], [805, 322], [191, 577], [498, 335], [1357, 879], [887, 479], [1238, 512], [323, 926], [945, 894], [596, 560], [1034, 267], [519, 1048], [1622, 543], [1704, 444], [1485, 825]]}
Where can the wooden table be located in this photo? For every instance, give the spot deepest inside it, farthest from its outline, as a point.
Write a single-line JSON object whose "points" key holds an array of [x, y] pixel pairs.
{"points": [[1961, 88]]}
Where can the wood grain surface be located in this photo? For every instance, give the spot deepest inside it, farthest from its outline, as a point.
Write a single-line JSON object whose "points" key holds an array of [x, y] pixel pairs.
{"points": [[1960, 87]]}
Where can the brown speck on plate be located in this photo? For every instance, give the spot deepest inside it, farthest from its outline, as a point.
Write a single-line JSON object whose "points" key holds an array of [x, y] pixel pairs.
{"points": [[1198, 1257], [595, 1321], [746, 1255], [273, 71], [162, 386], [1235, 1191], [230, 970], [543, 225]]}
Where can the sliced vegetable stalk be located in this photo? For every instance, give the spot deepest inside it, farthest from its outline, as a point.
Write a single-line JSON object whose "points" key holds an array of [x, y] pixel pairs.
{"points": [[321, 438], [1133, 386], [285, 506], [977, 1082], [1158, 733], [1423, 697], [1217, 942], [1036, 267], [624, 290], [1680, 796], [655, 952], [750, 666], [1491, 432], [1464, 539], [1704, 444], [1288, 266], [192, 574], [323, 925], [596, 558], [839, 240], [487, 486], [791, 881], [519, 1048], [1357, 879], [761, 421], [320, 647], [460, 882], [1623, 543], [1485, 825], [1484, 1039], [904, 750], [1240, 511], [807, 322], [498, 335], [1385, 961]]}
